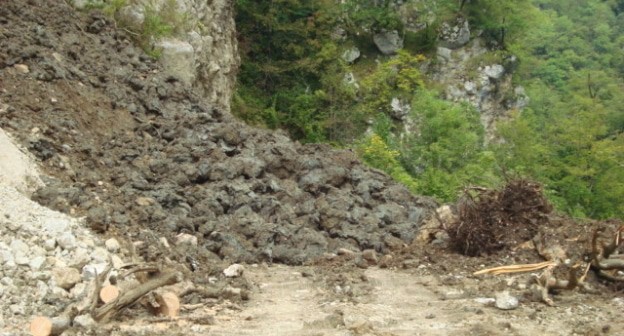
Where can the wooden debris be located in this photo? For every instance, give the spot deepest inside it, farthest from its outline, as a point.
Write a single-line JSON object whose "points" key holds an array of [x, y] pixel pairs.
{"points": [[109, 310], [516, 268], [109, 293], [41, 326], [169, 304]]}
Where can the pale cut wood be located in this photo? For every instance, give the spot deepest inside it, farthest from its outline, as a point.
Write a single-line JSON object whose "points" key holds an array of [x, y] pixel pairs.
{"points": [[516, 268], [110, 309], [109, 293], [169, 304], [41, 326]]}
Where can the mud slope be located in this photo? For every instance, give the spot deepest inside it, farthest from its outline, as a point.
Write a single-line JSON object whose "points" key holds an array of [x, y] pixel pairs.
{"points": [[143, 157]]}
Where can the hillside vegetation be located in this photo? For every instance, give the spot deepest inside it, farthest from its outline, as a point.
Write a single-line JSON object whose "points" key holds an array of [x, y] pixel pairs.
{"points": [[569, 137]]}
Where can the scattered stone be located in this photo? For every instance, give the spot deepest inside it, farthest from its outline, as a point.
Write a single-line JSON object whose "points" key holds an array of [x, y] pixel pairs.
{"points": [[66, 241], [55, 226], [455, 36], [19, 248], [234, 271], [100, 255], [37, 262], [444, 54], [399, 109], [66, 277], [388, 42], [178, 59], [185, 238], [351, 55], [49, 244], [454, 294], [84, 321], [345, 252], [116, 261], [231, 292], [495, 71], [145, 201], [371, 256], [385, 261], [91, 270], [485, 301], [506, 301], [22, 68], [17, 309], [112, 245]]}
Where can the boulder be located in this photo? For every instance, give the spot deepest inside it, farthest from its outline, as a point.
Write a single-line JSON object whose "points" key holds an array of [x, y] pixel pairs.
{"points": [[178, 59], [388, 42], [351, 55], [455, 36]]}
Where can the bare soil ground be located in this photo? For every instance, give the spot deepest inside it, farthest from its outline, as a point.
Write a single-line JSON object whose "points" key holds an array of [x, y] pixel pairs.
{"points": [[142, 158]]}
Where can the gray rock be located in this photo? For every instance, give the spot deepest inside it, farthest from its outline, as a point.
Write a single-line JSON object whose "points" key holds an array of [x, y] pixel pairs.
{"points": [[66, 277], [80, 257], [6, 257], [91, 270], [6, 281], [470, 87], [55, 225], [112, 245], [49, 244], [36, 263], [19, 248], [485, 301], [506, 301], [399, 108], [100, 255], [388, 42], [66, 241], [351, 55], [444, 54], [455, 36], [495, 71], [84, 321], [454, 294], [17, 309], [234, 271], [350, 80], [186, 239], [178, 59]]}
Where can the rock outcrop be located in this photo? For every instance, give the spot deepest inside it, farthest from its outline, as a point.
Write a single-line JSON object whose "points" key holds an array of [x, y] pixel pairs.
{"points": [[203, 50]]}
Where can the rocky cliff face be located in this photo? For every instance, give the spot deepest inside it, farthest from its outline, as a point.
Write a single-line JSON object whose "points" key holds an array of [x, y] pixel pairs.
{"points": [[202, 52], [464, 69]]}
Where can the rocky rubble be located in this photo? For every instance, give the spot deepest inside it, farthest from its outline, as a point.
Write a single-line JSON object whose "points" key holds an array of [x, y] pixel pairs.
{"points": [[144, 158], [46, 260]]}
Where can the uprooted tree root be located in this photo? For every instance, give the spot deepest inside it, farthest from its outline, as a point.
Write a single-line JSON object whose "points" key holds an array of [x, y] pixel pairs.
{"points": [[605, 258], [490, 220]]}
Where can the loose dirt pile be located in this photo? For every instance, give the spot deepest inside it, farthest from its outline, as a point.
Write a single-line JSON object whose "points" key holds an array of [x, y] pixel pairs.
{"points": [[141, 156]]}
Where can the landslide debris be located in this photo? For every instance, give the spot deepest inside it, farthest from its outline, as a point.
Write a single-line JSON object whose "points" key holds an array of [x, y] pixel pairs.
{"points": [[143, 157]]}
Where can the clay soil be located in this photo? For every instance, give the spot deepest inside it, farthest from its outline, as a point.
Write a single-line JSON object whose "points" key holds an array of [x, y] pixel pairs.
{"points": [[141, 157]]}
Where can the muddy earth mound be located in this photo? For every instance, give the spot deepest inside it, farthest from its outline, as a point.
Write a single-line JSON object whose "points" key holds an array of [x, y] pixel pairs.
{"points": [[142, 157]]}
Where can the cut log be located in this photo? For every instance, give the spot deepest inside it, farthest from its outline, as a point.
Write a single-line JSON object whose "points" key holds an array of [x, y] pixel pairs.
{"points": [[169, 304], [108, 310], [109, 293], [41, 326]]}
